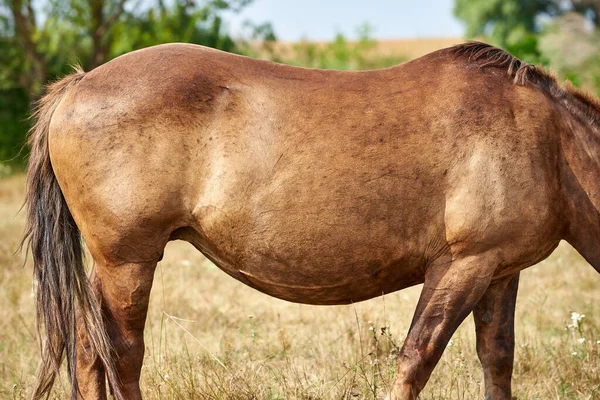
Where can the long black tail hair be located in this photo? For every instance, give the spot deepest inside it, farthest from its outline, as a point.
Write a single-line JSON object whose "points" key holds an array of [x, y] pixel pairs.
{"points": [[58, 263]]}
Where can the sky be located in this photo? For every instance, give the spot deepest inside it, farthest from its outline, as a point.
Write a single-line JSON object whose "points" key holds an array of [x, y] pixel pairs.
{"points": [[321, 19]]}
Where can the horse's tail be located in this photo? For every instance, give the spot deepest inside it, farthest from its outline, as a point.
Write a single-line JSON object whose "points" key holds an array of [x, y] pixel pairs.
{"points": [[58, 266]]}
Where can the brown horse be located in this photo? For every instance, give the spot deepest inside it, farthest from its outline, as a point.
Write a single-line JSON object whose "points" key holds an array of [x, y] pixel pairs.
{"points": [[456, 170]]}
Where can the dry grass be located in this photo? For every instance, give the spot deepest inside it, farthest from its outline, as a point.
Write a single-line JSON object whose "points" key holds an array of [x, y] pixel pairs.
{"points": [[399, 50], [413, 48], [210, 337]]}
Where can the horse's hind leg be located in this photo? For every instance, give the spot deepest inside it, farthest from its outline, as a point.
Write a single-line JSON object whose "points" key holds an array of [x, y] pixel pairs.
{"points": [[125, 253], [125, 297], [124, 291], [450, 293], [494, 323], [90, 371]]}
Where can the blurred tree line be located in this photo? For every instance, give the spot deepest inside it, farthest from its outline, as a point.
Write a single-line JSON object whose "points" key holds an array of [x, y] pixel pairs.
{"points": [[563, 35], [39, 40]]}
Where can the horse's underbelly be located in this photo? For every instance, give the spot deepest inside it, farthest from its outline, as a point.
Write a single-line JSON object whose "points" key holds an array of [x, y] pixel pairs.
{"points": [[328, 281], [316, 264]]}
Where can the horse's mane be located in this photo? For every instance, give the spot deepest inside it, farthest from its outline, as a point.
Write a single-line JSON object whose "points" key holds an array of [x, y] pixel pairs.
{"points": [[580, 103]]}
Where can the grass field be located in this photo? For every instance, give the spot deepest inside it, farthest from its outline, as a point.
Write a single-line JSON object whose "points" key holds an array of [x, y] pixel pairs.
{"points": [[210, 337]]}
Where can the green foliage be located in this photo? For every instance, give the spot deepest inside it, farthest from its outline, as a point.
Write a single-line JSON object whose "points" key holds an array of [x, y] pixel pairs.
{"points": [[14, 104], [574, 78], [572, 49], [560, 34], [527, 49], [516, 24], [505, 22], [181, 23], [89, 33], [597, 82]]}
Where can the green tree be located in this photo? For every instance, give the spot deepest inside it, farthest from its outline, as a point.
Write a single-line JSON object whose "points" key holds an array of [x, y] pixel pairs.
{"points": [[511, 24], [515, 24], [562, 34], [92, 32], [573, 50], [39, 41]]}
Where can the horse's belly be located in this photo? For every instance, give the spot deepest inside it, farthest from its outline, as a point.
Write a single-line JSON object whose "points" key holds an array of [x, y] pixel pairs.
{"points": [[330, 283], [325, 267]]}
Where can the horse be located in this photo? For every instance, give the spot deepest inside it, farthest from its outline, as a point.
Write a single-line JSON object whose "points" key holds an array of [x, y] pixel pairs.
{"points": [[456, 170]]}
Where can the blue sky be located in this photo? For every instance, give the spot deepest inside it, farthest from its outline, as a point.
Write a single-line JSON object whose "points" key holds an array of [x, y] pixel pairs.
{"points": [[322, 19]]}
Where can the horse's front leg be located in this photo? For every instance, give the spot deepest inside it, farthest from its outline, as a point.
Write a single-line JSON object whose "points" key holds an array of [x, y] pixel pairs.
{"points": [[451, 291], [124, 292], [494, 323]]}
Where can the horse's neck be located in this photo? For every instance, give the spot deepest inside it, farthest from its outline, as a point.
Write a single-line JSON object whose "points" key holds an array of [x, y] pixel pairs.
{"points": [[581, 186]]}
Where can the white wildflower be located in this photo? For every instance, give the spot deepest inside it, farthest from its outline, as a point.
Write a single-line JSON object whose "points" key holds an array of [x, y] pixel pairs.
{"points": [[450, 343], [581, 340], [576, 317], [576, 320]]}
